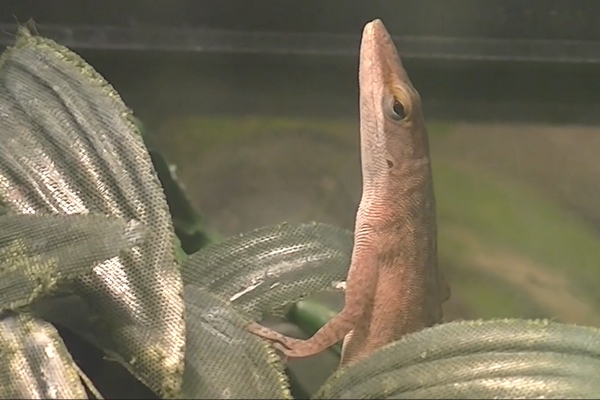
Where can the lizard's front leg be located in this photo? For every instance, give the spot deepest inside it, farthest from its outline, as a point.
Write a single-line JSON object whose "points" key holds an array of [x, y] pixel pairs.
{"points": [[329, 334], [359, 293], [270, 334]]}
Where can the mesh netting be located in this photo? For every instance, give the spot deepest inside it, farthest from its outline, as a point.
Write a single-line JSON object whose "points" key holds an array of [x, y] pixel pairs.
{"points": [[491, 359], [38, 252], [224, 361], [258, 272], [35, 362], [263, 270], [69, 146]]}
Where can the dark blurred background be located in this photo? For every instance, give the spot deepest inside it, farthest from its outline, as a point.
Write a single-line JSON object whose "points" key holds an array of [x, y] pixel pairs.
{"points": [[507, 60]]}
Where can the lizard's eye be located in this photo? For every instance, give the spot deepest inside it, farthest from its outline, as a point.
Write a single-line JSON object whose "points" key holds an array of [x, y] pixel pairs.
{"points": [[398, 110], [395, 109]]}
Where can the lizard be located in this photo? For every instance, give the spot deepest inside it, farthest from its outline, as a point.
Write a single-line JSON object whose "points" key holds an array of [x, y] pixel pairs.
{"points": [[393, 286]]}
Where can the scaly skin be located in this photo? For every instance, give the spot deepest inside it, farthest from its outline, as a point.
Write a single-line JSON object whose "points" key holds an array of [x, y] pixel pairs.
{"points": [[393, 285]]}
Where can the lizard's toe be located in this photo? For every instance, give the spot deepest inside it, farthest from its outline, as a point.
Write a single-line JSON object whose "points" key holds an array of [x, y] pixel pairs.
{"points": [[281, 349], [264, 332]]}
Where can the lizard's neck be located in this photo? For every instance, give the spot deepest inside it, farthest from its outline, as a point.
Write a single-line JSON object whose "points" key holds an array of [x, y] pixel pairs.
{"points": [[388, 193]]}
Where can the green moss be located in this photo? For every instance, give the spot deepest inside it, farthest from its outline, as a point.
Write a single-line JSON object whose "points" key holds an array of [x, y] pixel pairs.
{"points": [[517, 218], [488, 298], [500, 217]]}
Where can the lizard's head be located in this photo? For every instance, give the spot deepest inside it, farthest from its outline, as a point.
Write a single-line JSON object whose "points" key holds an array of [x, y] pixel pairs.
{"points": [[393, 134]]}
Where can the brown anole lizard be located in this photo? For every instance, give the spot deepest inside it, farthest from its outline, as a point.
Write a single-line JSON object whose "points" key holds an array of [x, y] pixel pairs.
{"points": [[393, 285]]}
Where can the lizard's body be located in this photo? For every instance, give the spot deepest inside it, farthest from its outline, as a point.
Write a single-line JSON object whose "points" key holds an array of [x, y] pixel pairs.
{"points": [[393, 285]]}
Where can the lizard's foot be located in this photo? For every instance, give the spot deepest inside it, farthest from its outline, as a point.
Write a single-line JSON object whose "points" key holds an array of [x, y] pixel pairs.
{"points": [[290, 347]]}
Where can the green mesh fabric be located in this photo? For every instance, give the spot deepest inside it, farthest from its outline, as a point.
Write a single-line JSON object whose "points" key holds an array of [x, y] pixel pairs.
{"points": [[263, 270], [223, 361], [35, 362], [257, 272], [478, 359], [69, 146], [38, 252]]}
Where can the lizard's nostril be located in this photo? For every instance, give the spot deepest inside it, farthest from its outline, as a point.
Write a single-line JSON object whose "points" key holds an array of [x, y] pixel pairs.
{"points": [[390, 164]]}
